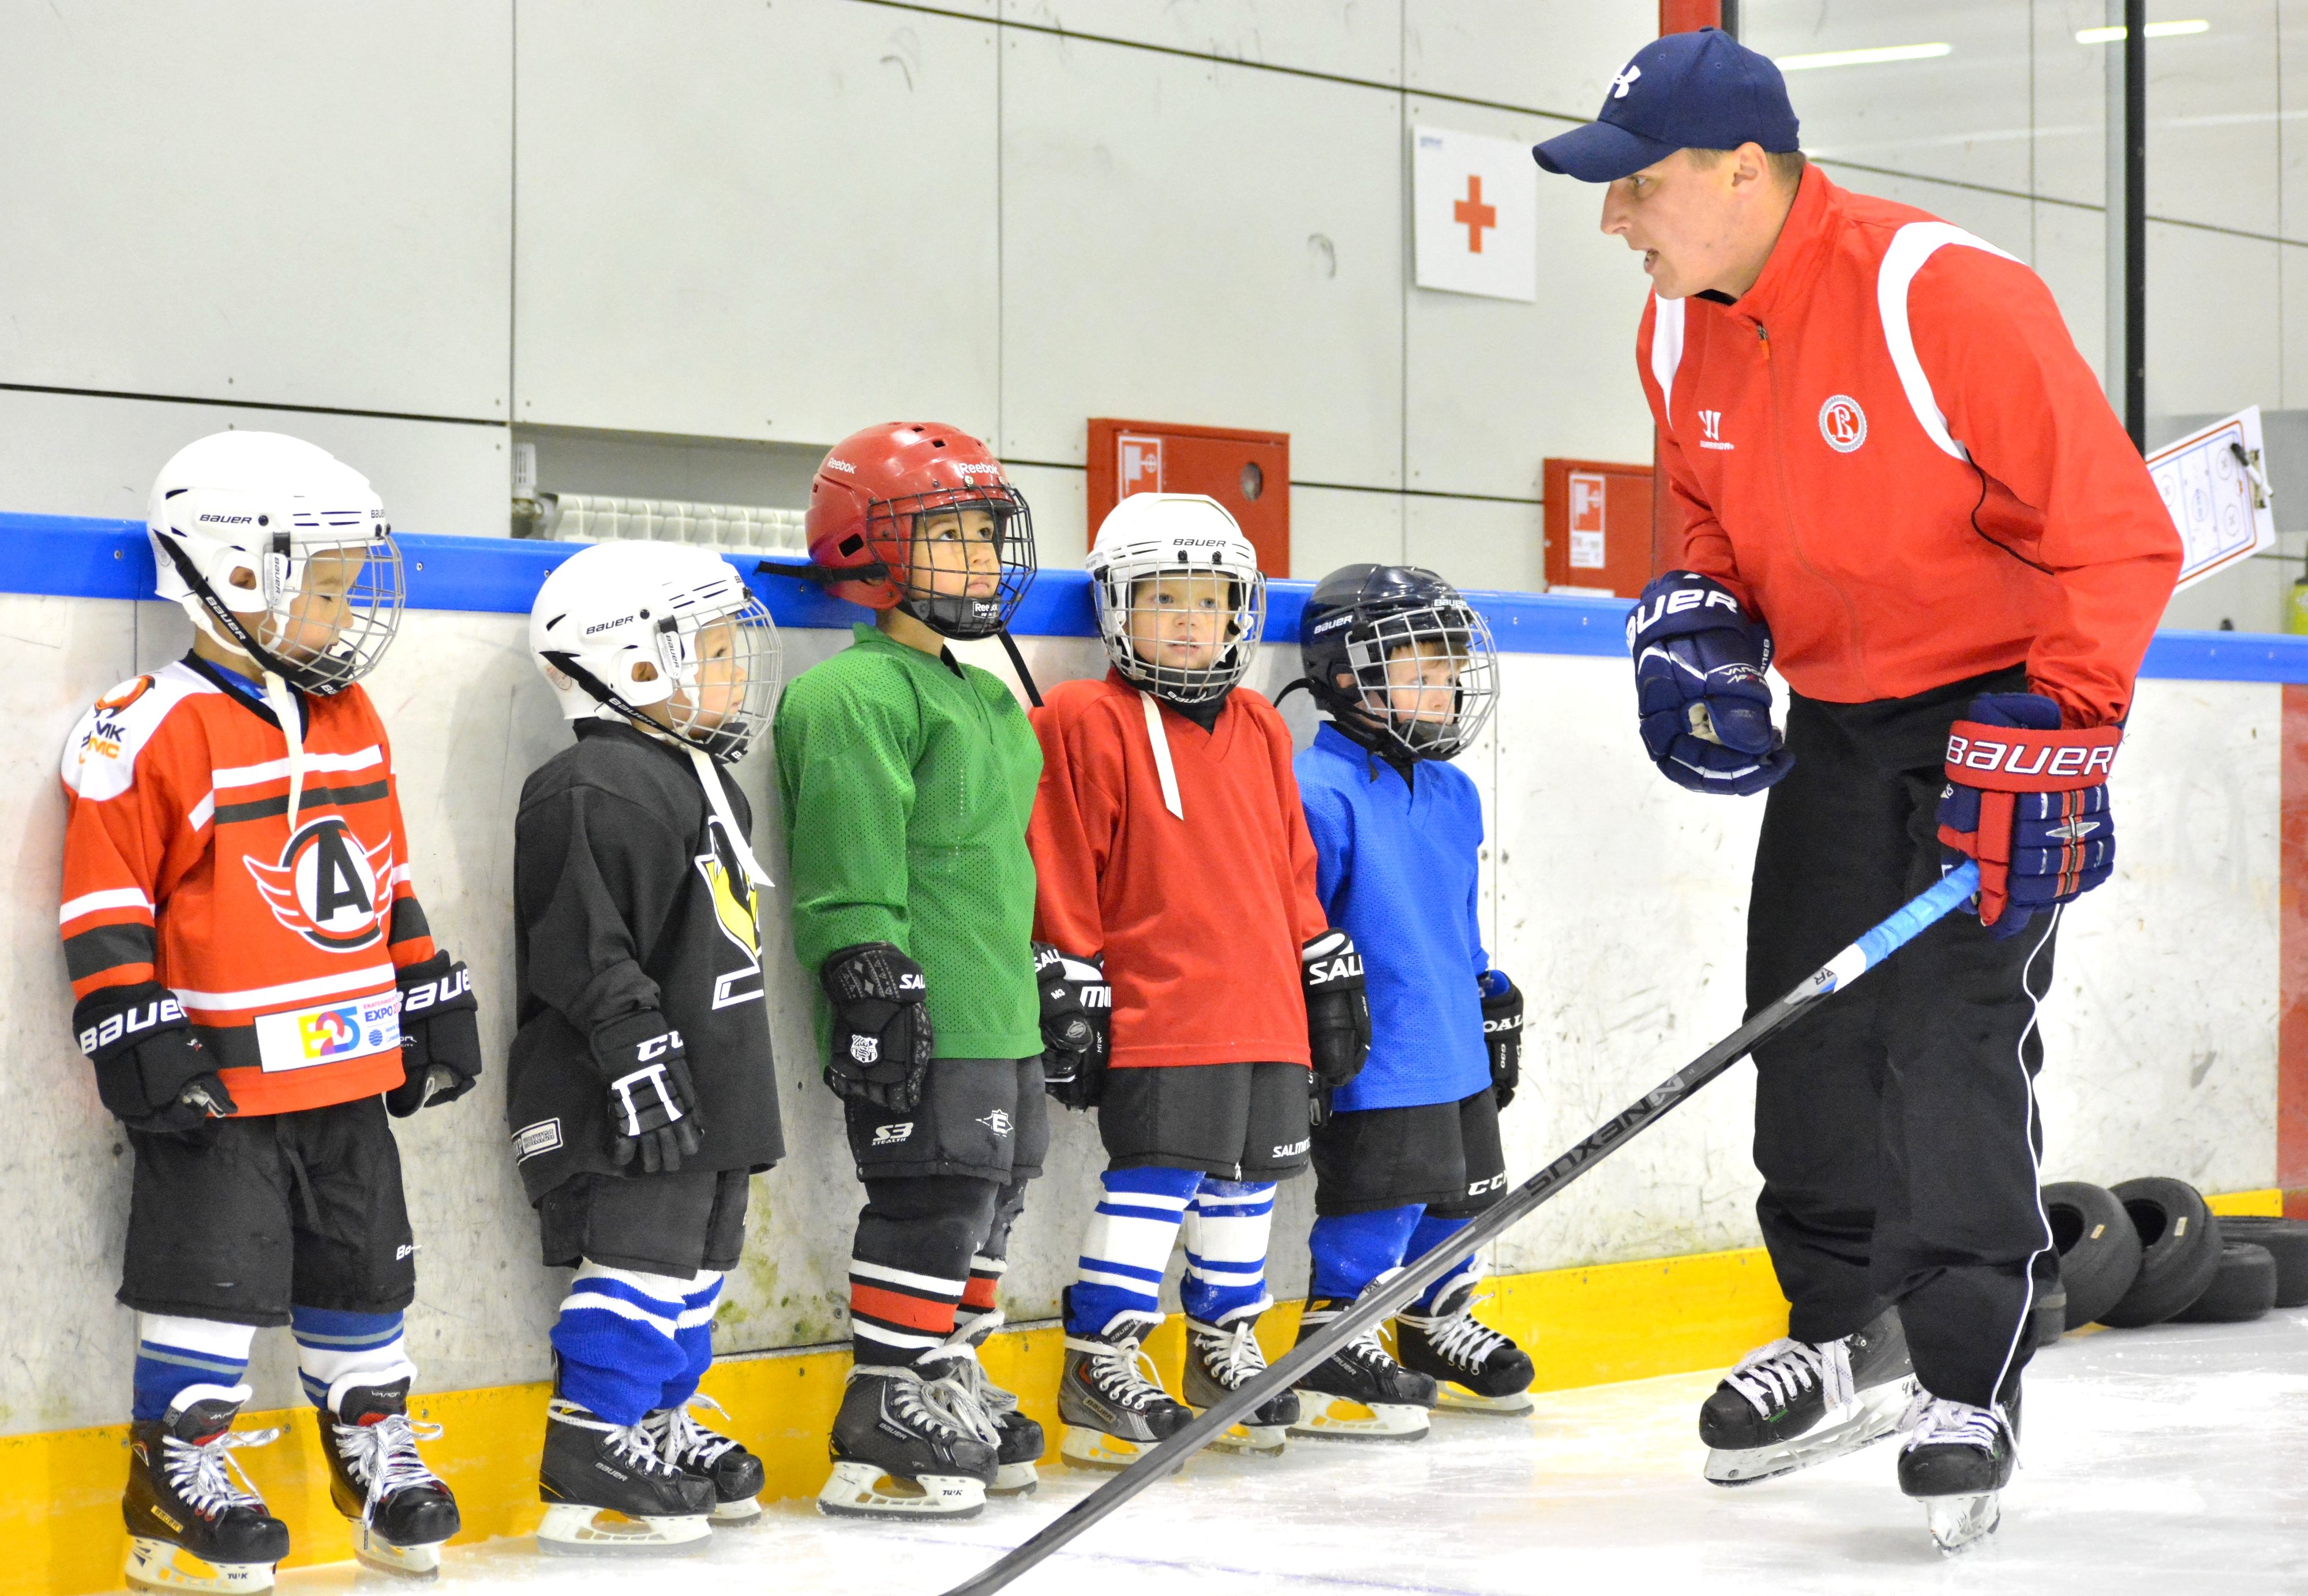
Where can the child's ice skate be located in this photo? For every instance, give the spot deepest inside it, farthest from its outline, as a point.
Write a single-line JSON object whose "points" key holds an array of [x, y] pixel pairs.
{"points": [[400, 1511], [1221, 1359], [734, 1472], [1359, 1392], [1113, 1404], [1022, 1443], [606, 1489], [1477, 1370], [191, 1527], [908, 1446]]}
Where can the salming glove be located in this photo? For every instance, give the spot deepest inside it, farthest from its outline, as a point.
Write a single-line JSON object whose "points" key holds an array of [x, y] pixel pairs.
{"points": [[882, 1037], [2029, 802], [440, 1035], [1503, 1033], [1699, 686], [652, 1103], [1338, 1009], [151, 1068], [1077, 1025]]}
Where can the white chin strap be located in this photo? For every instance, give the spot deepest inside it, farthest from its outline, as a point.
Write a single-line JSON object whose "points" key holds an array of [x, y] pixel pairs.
{"points": [[279, 698], [708, 776], [1163, 767]]}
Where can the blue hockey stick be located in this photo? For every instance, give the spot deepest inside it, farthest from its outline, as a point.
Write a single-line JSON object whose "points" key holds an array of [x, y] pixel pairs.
{"points": [[1383, 1300]]}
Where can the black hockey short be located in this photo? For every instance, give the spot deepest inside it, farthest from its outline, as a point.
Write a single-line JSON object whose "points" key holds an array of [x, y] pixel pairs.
{"points": [[983, 1118], [247, 1217], [1445, 1155], [1237, 1121], [659, 1224]]}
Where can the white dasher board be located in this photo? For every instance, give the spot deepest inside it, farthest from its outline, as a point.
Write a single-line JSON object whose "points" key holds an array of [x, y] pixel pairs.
{"points": [[2216, 488]]}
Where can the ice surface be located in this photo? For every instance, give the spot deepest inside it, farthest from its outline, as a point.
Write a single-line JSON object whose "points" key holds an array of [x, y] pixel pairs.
{"points": [[2165, 1461]]}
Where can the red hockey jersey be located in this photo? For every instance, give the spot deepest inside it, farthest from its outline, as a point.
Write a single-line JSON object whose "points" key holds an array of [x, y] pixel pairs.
{"points": [[180, 867], [1201, 919]]}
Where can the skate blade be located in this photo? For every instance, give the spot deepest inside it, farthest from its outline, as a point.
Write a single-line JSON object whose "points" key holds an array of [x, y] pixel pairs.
{"points": [[1458, 1399], [159, 1565], [745, 1510], [574, 1527], [1014, 1480], [862, 1490], [1956, 1522], [1336, 1418], [408, 1562], [1252, 1440], [1867, 1422], [1087, 1448]]}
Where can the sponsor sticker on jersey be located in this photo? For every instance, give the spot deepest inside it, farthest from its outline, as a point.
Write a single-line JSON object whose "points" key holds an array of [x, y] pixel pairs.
{"points": [[299, 1039], [529, 1140]]}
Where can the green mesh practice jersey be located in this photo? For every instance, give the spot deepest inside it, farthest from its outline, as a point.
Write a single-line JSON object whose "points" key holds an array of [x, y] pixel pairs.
{"points": [[907, 783]]}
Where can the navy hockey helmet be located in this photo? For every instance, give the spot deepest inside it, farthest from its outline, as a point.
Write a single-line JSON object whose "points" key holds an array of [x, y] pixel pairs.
{"points": [[1402, 663]]}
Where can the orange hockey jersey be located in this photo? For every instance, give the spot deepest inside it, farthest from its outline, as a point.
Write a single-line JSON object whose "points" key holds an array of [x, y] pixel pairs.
{"points": [[1201, 919], [180, 867]]}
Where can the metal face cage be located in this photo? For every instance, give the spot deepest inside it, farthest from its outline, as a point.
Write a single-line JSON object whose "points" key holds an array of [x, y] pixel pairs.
{"points": [[955, 582], [1402, 659], [1157, 619], [725, 662], [333, 592]]}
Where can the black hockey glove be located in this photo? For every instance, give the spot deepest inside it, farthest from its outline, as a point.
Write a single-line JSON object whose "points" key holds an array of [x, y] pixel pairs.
{"points": [[1077, 1025], [1503, 1033], [1337, 1010], [882, 1038], [440, 1035], [653, 1101], [151, 1068]]}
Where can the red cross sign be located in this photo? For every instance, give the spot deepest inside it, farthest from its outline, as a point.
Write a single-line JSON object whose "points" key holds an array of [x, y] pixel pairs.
{"points": [[1474, 215]]}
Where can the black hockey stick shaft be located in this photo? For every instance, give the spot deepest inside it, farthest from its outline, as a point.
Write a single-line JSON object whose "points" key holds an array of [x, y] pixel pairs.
{"points": [[1385, 1298]]}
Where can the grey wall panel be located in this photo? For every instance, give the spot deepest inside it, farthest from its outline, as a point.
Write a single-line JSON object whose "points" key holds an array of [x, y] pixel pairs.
{"points": [[1352, 38], [2071, 258], [2004, 220], [1557, 55], [259, 200], [768, 222], [2211, 303], [1331, 527], [2213, 126], [2070, 102], [1476, 543], [1059, 497], [1193, 242]]}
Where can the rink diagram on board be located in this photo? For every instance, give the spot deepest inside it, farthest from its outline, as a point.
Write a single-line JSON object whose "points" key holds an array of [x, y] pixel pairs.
{"points": [[2159, 1461]]}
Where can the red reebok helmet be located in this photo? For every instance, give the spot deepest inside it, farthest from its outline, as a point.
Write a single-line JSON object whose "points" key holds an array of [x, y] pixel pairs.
{"points": [[863, 508]]}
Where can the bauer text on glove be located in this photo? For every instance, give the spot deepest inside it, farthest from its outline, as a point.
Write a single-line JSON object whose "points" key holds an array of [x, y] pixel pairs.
{"points": [[882, 1037], [652, 1103], [1503, 1033], [2029, 802], [151, 1068], [1338, 1008], [1077, 1023], [1700, 688], [440, 1035]]}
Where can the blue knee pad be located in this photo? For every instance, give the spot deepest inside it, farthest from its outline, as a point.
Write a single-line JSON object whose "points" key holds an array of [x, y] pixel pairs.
{"points": [[1353, 1249]]}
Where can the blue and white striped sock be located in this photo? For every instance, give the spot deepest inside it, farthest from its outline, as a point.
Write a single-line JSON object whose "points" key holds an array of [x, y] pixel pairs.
{"points": [[693, 1335], [618, 1337], [337, 1352], [1128, 1243], [1227, 1226], [177, 1357]]}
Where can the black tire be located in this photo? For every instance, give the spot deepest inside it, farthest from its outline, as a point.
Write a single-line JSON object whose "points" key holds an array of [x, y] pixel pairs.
{"points": [[2179, 1250], [2286, 1241], [2098, 1247], [2243, 1288]]}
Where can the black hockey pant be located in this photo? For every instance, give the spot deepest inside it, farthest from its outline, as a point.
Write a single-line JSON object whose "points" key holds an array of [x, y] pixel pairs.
{"points": [[1895, 1127]]}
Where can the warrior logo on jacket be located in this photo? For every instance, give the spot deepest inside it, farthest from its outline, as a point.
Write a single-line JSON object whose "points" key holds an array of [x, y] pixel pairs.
{"points": [[328, 887], [737, 908]]}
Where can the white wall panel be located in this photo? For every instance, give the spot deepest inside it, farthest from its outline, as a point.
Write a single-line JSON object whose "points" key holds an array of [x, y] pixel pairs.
{"points": [[741, 220], [2002, 219], [2212, 127], [1473, 543], [1351, 38], [1331, 527], [1193, 242], [259, 200], [2211, 304], [64, 454], [2069, 101], [1557, 55], [1060, 499], [2071, 258]]}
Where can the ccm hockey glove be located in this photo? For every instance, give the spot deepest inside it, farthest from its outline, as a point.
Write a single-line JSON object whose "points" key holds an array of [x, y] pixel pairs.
{"points": [[151, 1068], [1077, 1025], [882, 1037], [440, 1035], [1338, 1009], [652, 1103], [1503, 1033], [2027, 801], [1700, 688]]}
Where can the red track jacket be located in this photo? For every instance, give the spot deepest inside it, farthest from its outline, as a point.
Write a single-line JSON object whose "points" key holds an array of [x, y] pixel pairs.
{"points": [[1890, 450]]}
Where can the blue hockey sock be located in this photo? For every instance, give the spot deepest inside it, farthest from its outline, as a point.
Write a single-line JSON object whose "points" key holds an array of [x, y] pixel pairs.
{"points": [[618, 1340], [175, 1356], [693, 1335], [1432, 1231], [339, 1350], [1127, 1246], [1353, 1249], [1227, 1226]]}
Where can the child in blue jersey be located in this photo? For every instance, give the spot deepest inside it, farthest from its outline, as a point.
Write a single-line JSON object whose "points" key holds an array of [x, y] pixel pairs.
{"points": [[1409, 1152]]}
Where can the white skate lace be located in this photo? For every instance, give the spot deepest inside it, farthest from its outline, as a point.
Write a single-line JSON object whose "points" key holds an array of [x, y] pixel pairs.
{"points": [[683, 1441], [1230, 1353], [958, 1396], [384, 1456], [1773, 1376], [202, 1472], [630, 1443], [1122, 1372], [1935, 1421], [1461, 1338], [971, 1373]]}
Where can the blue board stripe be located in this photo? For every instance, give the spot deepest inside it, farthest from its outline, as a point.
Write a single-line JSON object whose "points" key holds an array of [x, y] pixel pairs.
{"points": [[73, 556]]}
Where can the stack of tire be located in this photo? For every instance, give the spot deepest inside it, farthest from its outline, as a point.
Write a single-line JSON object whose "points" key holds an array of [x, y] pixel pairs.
{"points": [[2149, 1251]]}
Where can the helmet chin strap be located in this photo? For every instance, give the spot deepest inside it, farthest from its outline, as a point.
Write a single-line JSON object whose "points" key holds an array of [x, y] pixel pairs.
{"points": [[708, 777], [278, 697]]}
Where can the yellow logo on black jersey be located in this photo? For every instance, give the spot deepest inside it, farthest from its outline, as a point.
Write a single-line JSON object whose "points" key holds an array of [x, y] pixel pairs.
{"points": [[737, 910]]}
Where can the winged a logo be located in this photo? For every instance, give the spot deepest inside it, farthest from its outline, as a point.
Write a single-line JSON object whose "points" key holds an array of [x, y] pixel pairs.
{"points": [[328, 886]]}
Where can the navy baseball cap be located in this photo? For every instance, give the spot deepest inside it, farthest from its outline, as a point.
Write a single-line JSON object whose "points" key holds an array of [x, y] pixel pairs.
{"points": [[1700, 90]]}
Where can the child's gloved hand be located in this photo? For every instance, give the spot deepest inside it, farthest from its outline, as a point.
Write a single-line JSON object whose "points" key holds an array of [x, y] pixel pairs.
{"points": [[1077, 1020], [882, 1037], [1338, 1008], [1502, 1033], [652, 1102]]}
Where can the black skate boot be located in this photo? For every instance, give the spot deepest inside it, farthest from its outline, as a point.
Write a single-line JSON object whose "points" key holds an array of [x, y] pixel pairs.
{"points": [[1477, 1370], [1957, 1458], [606, 1489], [1111, 1399], [182, 1498], [1022, 1443], [906, 1445], [400, 1510], [734, 1474], [1225, 1357], [1359, 1392], [1792, 1403]]}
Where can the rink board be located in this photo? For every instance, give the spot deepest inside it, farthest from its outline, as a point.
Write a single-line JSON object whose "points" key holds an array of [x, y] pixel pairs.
{"points": [[2175, 1039]]}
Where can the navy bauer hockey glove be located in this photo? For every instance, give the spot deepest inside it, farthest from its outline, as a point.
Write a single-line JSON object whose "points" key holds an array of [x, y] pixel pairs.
{"points": [[2029, 803], [1338, 1009], [652, 1103], [882, 1037], [1077, 1025], [151, 1068], [440, 1035], [1700, 688], [1503, 1033]]}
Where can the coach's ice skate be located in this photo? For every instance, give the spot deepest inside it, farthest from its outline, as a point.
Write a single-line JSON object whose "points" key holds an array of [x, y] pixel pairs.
{"points": [[698, 1449], [1021, 1440], [1956, 1459], [606, 1488], [191, 1527], [1792, 1403], [909, 1446], [399, 1511], [1359, 1392], [1477, 1370], [1113, 1404], [1223, 1358]]}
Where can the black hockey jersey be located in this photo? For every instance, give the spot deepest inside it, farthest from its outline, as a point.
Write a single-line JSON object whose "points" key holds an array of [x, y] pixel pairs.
{"points": [[628, 897]]}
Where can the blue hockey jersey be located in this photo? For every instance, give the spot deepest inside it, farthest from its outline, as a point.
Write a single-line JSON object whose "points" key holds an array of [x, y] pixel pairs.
{"points": [[1396, 866]]}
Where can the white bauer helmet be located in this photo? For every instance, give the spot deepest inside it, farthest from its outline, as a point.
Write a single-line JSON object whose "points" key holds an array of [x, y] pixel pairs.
{"points": [[620, 628], [265, 507], [1172, 534]]}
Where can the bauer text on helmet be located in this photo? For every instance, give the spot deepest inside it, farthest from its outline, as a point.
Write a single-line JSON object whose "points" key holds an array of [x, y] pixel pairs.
{"points": [[1180, 599]]}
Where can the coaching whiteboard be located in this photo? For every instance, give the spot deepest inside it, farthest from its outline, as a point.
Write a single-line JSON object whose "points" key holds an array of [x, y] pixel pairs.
{"points": [[2216, 489]]}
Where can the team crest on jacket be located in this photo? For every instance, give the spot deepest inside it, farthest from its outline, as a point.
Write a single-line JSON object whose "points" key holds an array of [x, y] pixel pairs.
{"points": [[736, 910], [1842, 423], [327, 886]]}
